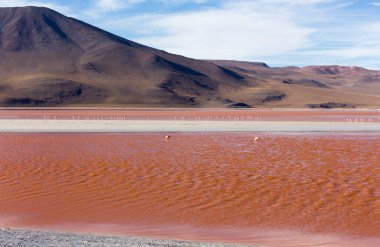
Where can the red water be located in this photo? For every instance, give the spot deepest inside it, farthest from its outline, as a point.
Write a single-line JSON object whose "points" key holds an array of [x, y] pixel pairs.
{"points": [[292, 189]]}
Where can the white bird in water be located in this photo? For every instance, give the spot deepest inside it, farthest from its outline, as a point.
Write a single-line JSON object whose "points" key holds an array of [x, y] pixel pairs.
{"points": [[167, 138], [255, 139]]}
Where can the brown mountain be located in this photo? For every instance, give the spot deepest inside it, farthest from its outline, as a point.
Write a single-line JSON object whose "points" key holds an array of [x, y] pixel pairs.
{"points": [[48, 59], [330, 86]]}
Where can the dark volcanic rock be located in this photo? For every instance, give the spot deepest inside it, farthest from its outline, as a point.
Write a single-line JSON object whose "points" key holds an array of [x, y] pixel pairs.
{"points": [[330, 105], [269, 96], [23, 102], [305, 82], [239, 105], [48, 91], [273, 97]]}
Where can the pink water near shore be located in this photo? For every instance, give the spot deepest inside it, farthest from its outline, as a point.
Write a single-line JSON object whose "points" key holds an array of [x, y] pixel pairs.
{"points": [[281, 190]]}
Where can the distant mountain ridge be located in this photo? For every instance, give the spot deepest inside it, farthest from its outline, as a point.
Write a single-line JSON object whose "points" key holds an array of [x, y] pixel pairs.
{"points": [[48, 59]]}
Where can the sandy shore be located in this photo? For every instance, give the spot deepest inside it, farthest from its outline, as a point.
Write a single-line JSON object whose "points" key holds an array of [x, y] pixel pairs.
{"points": [[39, 125], [12, 237]]}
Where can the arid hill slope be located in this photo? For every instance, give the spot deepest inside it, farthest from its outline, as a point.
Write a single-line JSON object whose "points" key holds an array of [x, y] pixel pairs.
{"points": [[329, 86], [48, 59]]}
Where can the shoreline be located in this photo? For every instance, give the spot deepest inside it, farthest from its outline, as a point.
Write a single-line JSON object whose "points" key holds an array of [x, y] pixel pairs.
{"points": [[37, 238], [197, 115], [31, 237], [134, 126]]}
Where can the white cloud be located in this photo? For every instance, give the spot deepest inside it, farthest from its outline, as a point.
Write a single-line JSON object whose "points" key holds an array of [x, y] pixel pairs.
{"points": [[298, 2], [22, 3], [181, 1], [239, 30], [279, 32], [364, 41], [104, 6], [113, 5]]}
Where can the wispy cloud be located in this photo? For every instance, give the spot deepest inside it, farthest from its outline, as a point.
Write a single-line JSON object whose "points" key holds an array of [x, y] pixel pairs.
{"points": [[100, 7], [298, 2], [105, 6], [112, 5], [181, 1], [21, 3], [362, 42], [279, 32], [237, 30]]}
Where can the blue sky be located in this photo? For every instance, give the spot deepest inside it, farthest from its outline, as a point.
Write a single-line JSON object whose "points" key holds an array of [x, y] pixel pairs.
{"points": [[278, 32]]}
